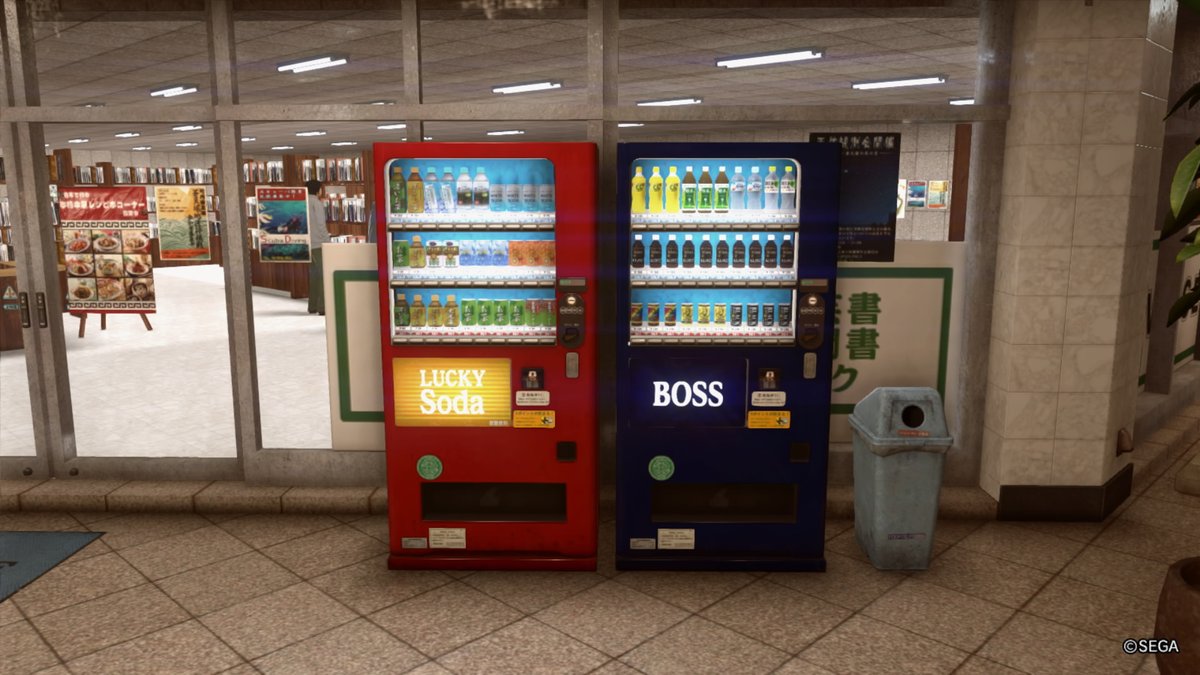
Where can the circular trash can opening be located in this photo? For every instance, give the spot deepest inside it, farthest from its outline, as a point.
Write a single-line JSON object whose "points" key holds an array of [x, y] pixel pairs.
{"points": [[912, 416]]}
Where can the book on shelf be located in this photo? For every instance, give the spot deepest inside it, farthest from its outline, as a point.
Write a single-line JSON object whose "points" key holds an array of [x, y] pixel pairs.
{"points": [[4, 215], [346, 208], [252, 207]]}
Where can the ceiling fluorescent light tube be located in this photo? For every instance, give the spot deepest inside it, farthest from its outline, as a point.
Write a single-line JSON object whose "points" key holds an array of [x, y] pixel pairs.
{"points": [[430, 138], [672, 101], [768, 59], [281, 147], [311, 64], [508, 132], [391, 126], [310, 133], [177, 90], [624, 125], [247, 139], [525, 87], [142, 147], [381, 102], [908, 82], [188, 127], [186, 144], [77, 140], [127, 134], [342, 143], [962, 101]]}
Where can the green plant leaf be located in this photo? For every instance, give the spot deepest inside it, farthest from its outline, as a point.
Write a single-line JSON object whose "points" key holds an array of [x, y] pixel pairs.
{"points": [[1191, 96], [1189, 251], [1185, 175], [1188, 211], [1183, 305]]}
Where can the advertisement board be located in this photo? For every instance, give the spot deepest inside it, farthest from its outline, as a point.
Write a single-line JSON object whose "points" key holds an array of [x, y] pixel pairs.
{"points": [[182, 223], [283, 224], [446, 392], [106, 242]]}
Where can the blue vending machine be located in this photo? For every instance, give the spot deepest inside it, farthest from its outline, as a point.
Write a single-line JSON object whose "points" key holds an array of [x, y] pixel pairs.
{"points": [[724, 366]]}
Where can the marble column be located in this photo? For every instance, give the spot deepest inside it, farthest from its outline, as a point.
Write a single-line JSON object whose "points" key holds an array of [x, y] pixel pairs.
{"points": [[1083, 146]]}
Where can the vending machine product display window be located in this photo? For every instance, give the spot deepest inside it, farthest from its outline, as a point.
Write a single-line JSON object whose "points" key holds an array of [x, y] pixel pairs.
{"points": [[487, 275], [724, 363]]}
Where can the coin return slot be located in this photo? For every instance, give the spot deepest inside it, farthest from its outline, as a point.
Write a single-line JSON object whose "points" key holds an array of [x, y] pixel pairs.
{"points": [[494, 502], [722, 503]]}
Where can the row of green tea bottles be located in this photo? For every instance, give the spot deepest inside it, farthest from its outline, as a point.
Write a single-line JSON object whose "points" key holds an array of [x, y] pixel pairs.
{"points": [[473, 312], [511, 190]]}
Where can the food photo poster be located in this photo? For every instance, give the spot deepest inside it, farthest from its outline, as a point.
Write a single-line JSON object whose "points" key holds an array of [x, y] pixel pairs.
{"points": [[106, 240]]}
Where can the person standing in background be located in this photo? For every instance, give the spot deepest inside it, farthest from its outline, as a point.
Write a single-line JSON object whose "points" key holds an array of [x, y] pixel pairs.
{"points": [[318, 234]]}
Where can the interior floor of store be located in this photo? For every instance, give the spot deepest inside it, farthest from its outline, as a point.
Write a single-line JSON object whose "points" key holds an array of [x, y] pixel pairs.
{"points": [[279, 593], [167, 392]]}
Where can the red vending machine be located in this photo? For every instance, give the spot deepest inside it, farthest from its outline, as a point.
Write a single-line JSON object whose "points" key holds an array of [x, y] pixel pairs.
{"points": [[487, 295]]}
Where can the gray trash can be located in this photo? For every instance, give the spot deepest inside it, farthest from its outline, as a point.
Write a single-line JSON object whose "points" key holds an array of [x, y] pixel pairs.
{"points": [[900, 443]]}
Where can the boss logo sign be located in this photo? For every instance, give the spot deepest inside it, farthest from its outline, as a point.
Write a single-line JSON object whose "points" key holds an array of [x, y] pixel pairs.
{"points": [[699, 394]]}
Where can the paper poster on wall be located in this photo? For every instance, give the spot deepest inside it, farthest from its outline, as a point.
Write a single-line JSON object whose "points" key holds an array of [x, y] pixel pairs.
{"points": [[916, 194], [901, 197], [283, 224], [182, 223], [939, 194], [106, 239], [866, 217]]}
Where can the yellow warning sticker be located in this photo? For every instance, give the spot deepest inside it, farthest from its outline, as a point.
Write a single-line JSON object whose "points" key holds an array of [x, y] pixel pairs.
{"points": [[769, 419], [533, 419]]}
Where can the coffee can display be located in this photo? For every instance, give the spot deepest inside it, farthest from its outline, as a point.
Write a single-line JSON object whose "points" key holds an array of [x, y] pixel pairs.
{"points": [[516, 312], [702, 312], [486, 315], [635, 314], [785, 314], [719, 313], [669, 314], [652, 314], [469, 311], [735, 314], [500, 312], [768, 314], [531, 313], [752, 314], [686, 312]]}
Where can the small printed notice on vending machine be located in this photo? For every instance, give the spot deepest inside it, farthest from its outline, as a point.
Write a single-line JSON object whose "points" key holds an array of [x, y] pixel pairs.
{"points": [[533, 419], [769, 419], [447, 537], [679, 539]]}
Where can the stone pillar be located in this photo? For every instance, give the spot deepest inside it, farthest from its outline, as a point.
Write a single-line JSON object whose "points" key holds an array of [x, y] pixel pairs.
{"points": [[1083, 146]]}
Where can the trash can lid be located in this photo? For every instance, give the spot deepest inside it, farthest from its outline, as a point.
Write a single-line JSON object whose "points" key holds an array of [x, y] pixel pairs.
{"points": [[895, 419]]}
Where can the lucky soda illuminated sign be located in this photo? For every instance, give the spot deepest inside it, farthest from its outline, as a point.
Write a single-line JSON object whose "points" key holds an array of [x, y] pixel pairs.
{"points": [[452, 392]]}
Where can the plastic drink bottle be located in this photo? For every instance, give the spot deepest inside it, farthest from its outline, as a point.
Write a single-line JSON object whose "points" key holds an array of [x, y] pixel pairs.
{"points": [[737, 190], [671, 192], [417, 313], [787, 190], [771, 190], [433, 315], [672, 251], [639, 252], [656, 191], [721, 204], [754, 189], [397, 190], [638, 205], [706, 191], [450, 313], [416, 253], [433, 201], [756, 252], [655, 251], [416, 191], [739, 251], [512, 192], [706, 251], [689, 251], [787, 253], [496, 196], [689, 192], [480, 192], [770, 252], [402, 316], [447, 199], [529, 192], [546, 193], [464, 189], [722, 252]]}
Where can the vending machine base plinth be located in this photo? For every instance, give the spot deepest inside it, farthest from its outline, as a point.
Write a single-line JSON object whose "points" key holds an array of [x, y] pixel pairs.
{"points": [[749, 564], [490, 562]]}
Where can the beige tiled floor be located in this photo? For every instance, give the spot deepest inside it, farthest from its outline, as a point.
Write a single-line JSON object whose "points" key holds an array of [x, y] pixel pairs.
{"points": [[310, 593]]}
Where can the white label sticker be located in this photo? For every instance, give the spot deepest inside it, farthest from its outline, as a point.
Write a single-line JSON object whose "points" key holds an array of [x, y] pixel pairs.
{"points": [[768, 399], [677, 539], [447, 537], [533, 398], [414, 542], [638, 544]]}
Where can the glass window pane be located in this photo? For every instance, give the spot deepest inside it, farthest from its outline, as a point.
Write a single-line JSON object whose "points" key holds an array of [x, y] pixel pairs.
{"points": [[16, 420]]}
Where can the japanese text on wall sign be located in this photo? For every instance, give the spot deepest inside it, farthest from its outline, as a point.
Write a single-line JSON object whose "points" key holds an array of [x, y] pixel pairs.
{"points": [[862, 339]]}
